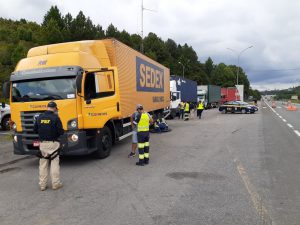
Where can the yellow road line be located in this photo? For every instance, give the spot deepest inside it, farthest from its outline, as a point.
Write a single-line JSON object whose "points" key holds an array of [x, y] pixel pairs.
{"points": [[256, 199]]}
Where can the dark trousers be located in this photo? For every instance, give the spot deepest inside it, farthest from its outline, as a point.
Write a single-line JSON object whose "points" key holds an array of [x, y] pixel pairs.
{"points": [[143, 146], [181, 114], [199, 113]]}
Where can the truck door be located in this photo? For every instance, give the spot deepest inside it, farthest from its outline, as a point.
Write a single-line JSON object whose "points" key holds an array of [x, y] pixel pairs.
{"points": [[101, 100]]}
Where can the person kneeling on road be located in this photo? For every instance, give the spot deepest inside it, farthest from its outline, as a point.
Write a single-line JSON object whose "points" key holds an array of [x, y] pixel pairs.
{"points": [[143, 121], [160, 125], [49, 127]]}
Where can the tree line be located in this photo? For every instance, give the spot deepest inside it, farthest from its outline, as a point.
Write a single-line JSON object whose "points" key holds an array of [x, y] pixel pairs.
{"points": [[17, 37]]}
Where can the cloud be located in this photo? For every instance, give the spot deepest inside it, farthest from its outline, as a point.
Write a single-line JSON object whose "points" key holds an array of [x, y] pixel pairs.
{"points": [[210, 26]]}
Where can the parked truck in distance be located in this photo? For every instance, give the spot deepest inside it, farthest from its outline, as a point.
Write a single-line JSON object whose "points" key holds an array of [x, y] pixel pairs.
{"points": [[232, 94], [96, 85], [181, 90], [210, 95]]}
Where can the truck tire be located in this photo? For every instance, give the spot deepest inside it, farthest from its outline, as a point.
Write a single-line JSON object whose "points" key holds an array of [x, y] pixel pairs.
{"points": [[5, 123], [104, 143], [244, 111]]}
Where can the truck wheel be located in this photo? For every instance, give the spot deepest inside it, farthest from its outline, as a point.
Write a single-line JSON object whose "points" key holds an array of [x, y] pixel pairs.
{"points": [[104, 143], [244, 111], [225, 111], [5, 123]]}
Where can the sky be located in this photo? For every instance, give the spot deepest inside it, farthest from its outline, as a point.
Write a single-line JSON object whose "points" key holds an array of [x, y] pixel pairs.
{"points": [[272, 27]]}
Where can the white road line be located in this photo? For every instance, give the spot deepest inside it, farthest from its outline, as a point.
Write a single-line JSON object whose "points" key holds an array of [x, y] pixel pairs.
{"points": [[279, 107], [264, 107], [297, 132], [284, 120]]}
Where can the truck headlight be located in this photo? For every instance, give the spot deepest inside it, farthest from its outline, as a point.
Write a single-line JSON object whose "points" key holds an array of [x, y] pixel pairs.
{"points": [[72, 124], [73, 137]]}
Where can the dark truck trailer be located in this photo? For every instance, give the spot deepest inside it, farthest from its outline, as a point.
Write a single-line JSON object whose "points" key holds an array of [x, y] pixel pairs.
{"points": [[187, 88], [210, 94], [181, 90]]}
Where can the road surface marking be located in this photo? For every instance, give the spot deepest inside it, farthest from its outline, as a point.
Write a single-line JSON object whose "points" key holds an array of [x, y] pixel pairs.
{"points": [[256, 199], [264, 107], [5, 133], [279, 107], [284, 120]]}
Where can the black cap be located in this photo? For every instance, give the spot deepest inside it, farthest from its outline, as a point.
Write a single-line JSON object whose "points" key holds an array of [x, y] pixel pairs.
{"points": [[52, 105]]}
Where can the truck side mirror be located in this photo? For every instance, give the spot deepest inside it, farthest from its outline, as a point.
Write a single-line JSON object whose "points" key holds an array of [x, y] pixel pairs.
{"points": [[79, 83], [5, 91]]}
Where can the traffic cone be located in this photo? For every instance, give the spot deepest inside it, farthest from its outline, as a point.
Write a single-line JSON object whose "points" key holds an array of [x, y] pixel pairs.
{"points": [[291, 108]]}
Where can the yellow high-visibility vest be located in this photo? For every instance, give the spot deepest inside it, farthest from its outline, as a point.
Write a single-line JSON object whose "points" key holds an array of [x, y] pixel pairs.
{"points": [[144, 123], [187, 107], [200, 106]]}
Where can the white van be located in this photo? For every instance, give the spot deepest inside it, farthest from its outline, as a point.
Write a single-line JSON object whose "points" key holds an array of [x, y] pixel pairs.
{"points": [[5, 116]]}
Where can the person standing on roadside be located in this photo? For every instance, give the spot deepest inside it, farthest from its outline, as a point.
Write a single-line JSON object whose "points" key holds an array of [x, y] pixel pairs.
{"points": [[49, 128], [181, 105], [134, 135], [186, 111], [143, 121], [200, 109]]}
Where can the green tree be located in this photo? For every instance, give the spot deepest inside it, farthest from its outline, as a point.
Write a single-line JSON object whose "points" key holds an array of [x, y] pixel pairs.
{"points": [[54, 14], [51, 33], [18, 53]]}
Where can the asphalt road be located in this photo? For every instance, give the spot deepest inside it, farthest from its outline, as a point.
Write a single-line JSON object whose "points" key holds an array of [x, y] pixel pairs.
{"points": [[224, 169]]}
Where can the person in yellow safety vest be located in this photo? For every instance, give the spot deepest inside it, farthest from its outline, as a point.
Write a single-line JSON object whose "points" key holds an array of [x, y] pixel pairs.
{"points": [[143, 120], [186, 111], [181, 110], [200, 109]]}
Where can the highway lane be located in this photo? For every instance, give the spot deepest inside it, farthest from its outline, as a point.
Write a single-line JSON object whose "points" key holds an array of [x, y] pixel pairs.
{"points": [[290, 118], [224, 169], [281, 157]]}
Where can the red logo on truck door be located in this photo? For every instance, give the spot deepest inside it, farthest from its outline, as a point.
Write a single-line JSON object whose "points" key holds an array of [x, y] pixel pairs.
{"points": [[149, 77]]}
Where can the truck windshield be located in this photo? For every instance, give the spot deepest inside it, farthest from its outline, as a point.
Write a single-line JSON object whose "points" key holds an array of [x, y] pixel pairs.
{"points": [[41, 90]]}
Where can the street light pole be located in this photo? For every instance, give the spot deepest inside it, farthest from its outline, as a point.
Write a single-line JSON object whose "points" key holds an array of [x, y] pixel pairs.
{"points": [[238, 62], [182, 68]]}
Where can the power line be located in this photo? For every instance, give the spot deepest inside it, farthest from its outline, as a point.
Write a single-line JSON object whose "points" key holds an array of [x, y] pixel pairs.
{"points": [[273, 70]]}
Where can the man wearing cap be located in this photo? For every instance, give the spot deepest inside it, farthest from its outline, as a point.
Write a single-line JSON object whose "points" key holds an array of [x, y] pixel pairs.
{"points": [[49, 127], [142, 121]]}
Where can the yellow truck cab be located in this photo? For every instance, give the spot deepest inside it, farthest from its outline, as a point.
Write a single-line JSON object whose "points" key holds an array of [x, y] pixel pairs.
{"points": [[96, 85]]}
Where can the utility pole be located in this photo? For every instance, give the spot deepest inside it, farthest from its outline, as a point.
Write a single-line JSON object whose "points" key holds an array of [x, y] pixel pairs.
{"points": [[142, 21]]}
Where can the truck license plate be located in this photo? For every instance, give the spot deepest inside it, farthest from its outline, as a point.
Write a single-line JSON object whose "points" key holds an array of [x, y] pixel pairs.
{"points": [[36, 143]]}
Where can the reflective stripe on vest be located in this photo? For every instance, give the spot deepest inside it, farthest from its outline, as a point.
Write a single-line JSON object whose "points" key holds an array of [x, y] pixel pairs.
{"points": [[187, 107], [200, 106], [143, 125]]}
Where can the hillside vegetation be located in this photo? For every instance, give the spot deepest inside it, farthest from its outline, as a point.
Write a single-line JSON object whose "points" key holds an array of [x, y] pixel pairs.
{"points": [[17, 37]]}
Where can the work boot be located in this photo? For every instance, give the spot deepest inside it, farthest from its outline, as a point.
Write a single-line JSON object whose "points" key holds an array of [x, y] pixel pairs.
{"points": [[132, 154], [146, 161], [57, 186], [139, 163], [43, 188]]}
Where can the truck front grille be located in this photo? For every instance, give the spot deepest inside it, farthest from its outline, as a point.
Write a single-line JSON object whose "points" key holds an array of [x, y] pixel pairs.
{"points": [[28, 134]]}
